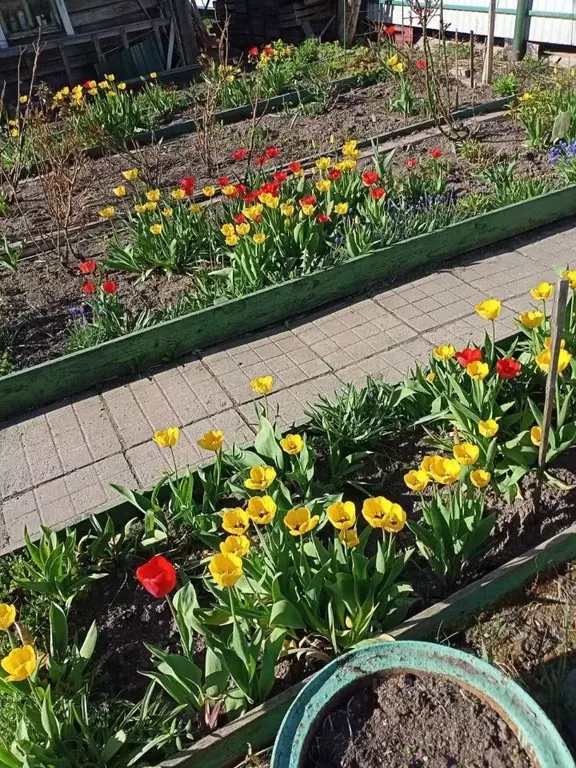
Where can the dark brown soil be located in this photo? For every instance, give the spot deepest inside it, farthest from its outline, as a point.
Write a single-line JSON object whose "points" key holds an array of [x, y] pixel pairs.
{"points": [[415, 721], [358, 114]]}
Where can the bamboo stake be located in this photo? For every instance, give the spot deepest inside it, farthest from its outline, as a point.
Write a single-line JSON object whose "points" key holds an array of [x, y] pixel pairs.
{"points": [[557, 329], [489, 53], [472, 62]]}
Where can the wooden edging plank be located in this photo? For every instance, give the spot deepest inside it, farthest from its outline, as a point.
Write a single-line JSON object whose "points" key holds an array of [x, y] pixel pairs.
{"points": [[78, 371], [487, 108], [228, 745]]}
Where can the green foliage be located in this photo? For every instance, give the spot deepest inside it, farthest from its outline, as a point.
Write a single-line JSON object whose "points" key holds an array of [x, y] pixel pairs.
{"points": [[506, 85]]}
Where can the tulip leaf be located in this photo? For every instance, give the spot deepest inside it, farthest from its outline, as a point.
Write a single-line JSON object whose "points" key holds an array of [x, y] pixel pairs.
{"points": [[138, 500], [266, 443], [112, 746], [272, 648], [8, 760], [49, 722], [58, 631], [87, 648], [216, 675], [285, 614]]}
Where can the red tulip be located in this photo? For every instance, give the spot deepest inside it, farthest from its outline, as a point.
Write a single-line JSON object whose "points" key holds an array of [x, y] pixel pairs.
{"points": [[377, 193], [436, 153], [389, 30], [295, 167], [88, 287], [271, 152], [253, 52], [508, 368], [241, 188], [421, 64], [370, 178], [223, 181], [268, 51], [308, 200], [260, 160], [412, 163], [87, 267], [280, 177], [468, 355], [188, 184], [258, 219], [251, 197], [240, 218], [334, 174], [322, 218], [240, 154], [157, 576], [109, 286], [270, 188]]}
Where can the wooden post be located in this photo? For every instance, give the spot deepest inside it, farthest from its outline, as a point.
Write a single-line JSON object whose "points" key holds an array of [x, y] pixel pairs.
{"points": [[557, 329], [186, 30], [472, 61], [489, 54]]}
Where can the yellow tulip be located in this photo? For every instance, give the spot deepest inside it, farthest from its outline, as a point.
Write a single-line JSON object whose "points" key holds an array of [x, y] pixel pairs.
{"points": [[235, 521], [488, 428], [444, 352], [153, 75], [167, 212], [108, 213], [342, 515], [121, 86], [151, 205], [213, 440], [341, 209], [153, 195], [444, 471], [110, 78], [225, 569], [167, 438], [349, 538], [416, 480], [543, 360], [209, 191], [299, 521], [243, 229], [292, 444], [570, 275], [262, 385], [7, 615], [323, 185], [392, 61], [466, 453], [261, 477], [23, 99], [308, 210], [287, 209], [103, 85], [227, 229], [131, 174], [259, 238], [426, 464], [19, 664], [349, 148], [232, 240], [323, 163], [178, 194], [477, 370], [379, 512], [431, 376], [139, 208], [542, 292], [195, 208], [235, 545], [530, 319], [229, 190], [489, 309], [536, 435], [480, 478], [253, 212], [156, 229], [526, 97], [261, 509]]}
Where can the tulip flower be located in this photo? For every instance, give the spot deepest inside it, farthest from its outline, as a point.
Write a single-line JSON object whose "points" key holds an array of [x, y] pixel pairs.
{"points": [[261, 509], [157, 576], [570, 275], [489, 309], [235, 545], [435, 153], [235, 521], [109, 286], [379, 512], [225, 569], [508, 368], [468, 355], [131, 174], [542, 292], [416, 480], [349, 538], [211, 440], [530, 319], [87, 267], [299, 521], [488, 428], [466, 453], [292, 444], [342, 515], [7, 616], [262, 385], [153, 195], [536, 435], [442, 470], [480, 478], [544, 359], [477, 370], [444, 352], [20, 664]]}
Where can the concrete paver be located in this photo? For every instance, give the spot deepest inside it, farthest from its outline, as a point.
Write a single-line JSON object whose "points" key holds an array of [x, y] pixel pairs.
{"points": [[57, 463]]}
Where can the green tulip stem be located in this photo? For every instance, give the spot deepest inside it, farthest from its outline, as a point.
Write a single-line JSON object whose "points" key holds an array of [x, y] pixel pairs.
{"points": [[269, 558], [10, 639], [174, 461], [218, 470], [232, 611]]}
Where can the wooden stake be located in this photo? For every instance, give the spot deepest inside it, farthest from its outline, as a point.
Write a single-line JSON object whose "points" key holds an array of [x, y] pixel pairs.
{"points": [[489, 53], [472, 62], [557, 329]]}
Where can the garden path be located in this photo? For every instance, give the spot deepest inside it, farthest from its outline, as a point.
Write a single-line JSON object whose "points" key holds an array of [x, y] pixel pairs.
{"points": [[56, 463]]}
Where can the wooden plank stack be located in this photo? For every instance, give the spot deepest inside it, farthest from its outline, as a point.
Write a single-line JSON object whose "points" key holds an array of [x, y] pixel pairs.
{"points": [[254, 22]]}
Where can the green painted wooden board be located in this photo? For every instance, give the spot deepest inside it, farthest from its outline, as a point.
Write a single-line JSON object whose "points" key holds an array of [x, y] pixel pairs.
{"points": [[76, 372]]}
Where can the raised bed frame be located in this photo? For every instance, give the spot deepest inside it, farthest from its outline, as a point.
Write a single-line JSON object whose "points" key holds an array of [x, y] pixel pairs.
{"points": [[44, 383]]}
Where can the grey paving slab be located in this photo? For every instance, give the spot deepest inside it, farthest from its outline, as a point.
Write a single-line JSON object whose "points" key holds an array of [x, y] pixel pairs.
{"points": [[58, 462]]}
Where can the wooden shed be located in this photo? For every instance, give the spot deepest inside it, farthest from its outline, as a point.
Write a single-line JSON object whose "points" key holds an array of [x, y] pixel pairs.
{"points": [[81, 39]]}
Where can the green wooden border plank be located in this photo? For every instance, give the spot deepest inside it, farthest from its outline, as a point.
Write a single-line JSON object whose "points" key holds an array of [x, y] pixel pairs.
{"points": [[78, 371], [228, 745]]}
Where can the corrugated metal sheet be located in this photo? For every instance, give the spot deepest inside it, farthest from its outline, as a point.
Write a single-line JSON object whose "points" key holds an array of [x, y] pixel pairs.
{"points": [[551, 21]]}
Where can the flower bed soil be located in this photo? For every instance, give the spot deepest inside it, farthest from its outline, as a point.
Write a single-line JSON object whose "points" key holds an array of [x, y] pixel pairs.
{"points": [[358, 114], [36, 299], [414, 721], [532, 637]]}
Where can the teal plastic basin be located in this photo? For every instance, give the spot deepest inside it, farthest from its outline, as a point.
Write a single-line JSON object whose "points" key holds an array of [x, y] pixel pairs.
{"points": [[532, 727]]}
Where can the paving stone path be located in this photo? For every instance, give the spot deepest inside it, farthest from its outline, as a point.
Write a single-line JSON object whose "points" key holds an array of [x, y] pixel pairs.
{"points": [[56, 463]]}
